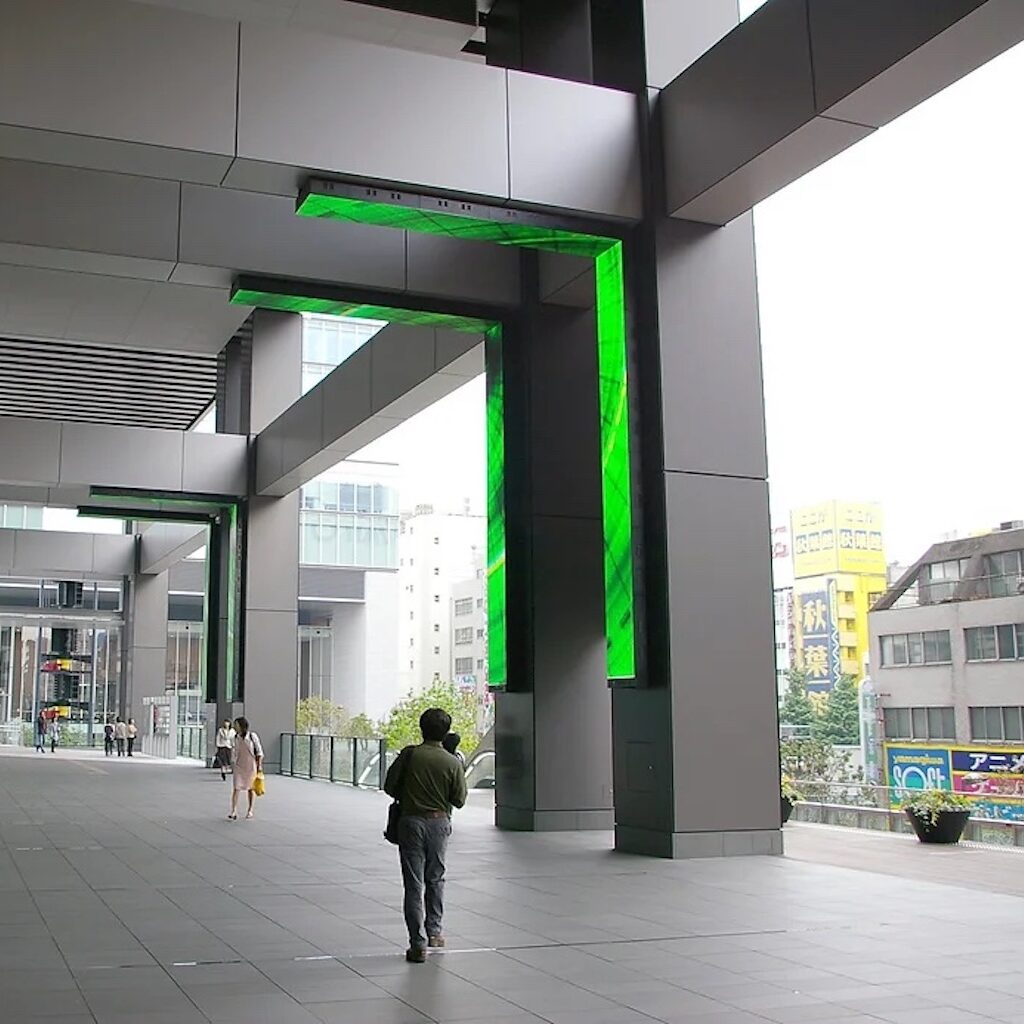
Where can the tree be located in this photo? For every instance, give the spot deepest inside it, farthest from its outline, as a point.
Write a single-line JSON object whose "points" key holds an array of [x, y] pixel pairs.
{"points": [[320, 716], [362, 727], [840, 723], [797, 708], [816, 767], [402, 726]]}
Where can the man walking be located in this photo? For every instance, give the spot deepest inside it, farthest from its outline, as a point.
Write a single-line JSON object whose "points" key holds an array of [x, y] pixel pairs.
{"points": [[427, 782]]}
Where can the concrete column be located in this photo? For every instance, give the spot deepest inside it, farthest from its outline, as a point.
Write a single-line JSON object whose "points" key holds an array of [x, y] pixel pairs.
{"points": [[552, 733], [696, 741], [272, 546], [147, 659]]}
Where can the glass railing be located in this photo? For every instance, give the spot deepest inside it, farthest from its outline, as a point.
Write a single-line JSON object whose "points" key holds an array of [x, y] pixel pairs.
{"points": [[346, 759]]}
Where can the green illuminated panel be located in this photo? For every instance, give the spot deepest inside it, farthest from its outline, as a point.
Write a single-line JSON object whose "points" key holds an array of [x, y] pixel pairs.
{"points": [[454, 225], [616, 492], [497, 622], [333, 307], [617, 512]]}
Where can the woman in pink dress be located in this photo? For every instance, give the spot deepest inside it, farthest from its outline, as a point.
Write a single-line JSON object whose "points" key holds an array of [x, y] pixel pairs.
{"points": [[247, 759]]}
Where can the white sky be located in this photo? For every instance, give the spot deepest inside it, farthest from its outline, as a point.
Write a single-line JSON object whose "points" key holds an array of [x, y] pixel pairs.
{"points": [[891, 327]]}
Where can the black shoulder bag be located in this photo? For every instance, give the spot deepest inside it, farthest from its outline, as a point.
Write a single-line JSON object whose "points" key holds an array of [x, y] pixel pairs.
{"points": [[395, 810]]}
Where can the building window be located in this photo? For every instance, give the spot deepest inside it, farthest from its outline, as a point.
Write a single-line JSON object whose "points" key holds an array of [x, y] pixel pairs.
{"points": [[479, 634], [920, 724], [464, 606], [995, 643], [479, 664], [464, 636], [999, 723], [931, 648], [479, 602], [463, 666]]}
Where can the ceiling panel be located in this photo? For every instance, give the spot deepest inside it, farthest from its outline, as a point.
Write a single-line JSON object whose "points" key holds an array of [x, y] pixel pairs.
{"points": [[102, 384], [69, 306]]}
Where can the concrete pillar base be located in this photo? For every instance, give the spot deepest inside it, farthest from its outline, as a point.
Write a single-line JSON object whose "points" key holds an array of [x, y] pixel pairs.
{"points": [[524, 819], [689, 845]]}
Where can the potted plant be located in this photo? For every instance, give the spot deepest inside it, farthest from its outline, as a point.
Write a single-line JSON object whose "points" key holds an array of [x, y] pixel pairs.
{"points": [[937, 815], [790, 795]]}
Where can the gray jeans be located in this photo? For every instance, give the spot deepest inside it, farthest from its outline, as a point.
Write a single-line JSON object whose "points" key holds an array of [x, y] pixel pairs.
{"points": [[422, 843]]}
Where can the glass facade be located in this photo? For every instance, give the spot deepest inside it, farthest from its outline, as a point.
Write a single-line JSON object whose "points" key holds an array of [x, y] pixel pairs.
{"points": [[18, 517], [327, 341], [349, 523]]}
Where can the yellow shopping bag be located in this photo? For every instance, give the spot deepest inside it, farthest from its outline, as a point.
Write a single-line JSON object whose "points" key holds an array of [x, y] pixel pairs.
{"points": [[259, 785]]}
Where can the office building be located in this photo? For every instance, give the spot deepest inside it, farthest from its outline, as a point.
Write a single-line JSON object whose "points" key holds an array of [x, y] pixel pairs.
{"points": [[782, 594], [437, 551], [839, 572], [947, 653]]}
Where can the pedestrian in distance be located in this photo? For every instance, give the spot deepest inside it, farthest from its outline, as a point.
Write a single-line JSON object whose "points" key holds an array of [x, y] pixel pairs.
{"points": [[120, 735], [225, 742], [132, 731], [108, 739], [247, 764], [451, 744], [53, 732], [427, 781], [40, 731]]}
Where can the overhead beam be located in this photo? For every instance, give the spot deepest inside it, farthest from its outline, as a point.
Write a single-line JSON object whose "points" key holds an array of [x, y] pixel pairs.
{"points": [[400, 371], [163, 93], [802, 80], [69, 555], [162, 545], [62, 455]]}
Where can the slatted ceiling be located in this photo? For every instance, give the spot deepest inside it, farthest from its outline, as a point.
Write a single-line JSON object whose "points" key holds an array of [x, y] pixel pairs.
{"points": [[100, 384]]}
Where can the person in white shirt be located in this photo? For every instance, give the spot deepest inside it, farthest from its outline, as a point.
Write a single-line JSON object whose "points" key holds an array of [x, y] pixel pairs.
{"points": [[225, 742], [247, 763], [120, 735], [131, 731]]}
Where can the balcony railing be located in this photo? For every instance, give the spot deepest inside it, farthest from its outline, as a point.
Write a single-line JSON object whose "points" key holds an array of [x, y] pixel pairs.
{"points": [[346, 759], [857, 805]]}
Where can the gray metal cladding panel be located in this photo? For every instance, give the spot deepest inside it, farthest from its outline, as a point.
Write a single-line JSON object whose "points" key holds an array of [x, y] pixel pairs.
{"points": [[346, 394], [272, 577], [29, 451], [721, 622], [325, 102], [67, 208], [564, 414], [329, 582], [573, 147], [261, 234], [712, 388], [749, 91], [119, 71], [215, 463], [452, 268], [120, 456], [402, 357], [571, 698], [853, 41]]}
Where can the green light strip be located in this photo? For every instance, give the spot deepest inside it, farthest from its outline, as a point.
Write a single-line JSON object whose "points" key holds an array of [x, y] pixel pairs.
{"points": [[497, 616], [290, 303], [616, 489], [620, 621], [230, 670]]}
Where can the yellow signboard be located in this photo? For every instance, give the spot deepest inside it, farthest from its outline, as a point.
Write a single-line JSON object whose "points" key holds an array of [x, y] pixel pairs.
{"points": [[837, 536]]}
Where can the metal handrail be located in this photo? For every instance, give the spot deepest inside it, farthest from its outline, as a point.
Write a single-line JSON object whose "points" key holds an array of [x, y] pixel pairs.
{"points": [[352, 760]]}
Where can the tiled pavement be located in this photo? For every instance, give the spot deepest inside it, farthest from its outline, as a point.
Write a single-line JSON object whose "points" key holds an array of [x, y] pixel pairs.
{"points": [[127, 898]]}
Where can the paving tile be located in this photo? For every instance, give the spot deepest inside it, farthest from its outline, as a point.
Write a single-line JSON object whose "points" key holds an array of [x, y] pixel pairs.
{"points": [[128, 894]]}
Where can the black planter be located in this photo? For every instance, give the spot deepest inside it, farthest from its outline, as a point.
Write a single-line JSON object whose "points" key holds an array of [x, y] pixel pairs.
{"points": [[948, 828], [787, 809]]}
